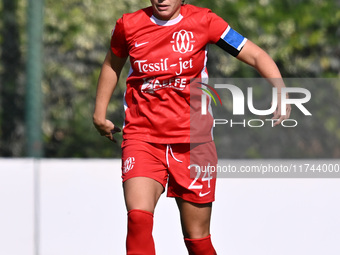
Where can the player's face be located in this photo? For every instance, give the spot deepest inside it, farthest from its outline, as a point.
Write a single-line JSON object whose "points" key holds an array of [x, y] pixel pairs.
{"points": [[166, 9]]}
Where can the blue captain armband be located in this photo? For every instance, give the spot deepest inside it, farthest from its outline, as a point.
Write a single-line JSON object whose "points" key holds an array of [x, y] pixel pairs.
{"points": [[231, 41]]}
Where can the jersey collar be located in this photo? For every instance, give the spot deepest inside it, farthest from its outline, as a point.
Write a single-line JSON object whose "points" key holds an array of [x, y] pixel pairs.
{"points": [[166, 23]]}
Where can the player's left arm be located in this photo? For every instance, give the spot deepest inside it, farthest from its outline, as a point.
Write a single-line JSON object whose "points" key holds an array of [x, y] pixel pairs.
{"points": [[256, 57]]}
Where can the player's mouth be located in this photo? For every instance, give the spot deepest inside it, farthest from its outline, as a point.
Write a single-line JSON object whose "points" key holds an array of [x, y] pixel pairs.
{"points": [[161, 7]]}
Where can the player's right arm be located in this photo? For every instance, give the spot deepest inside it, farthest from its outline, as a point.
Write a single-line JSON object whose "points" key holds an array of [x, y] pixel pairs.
{"points": [[107, 83]]}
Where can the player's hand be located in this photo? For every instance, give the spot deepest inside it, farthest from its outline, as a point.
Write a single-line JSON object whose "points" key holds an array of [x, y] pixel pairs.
{"points": [[107, 129], [278, 114]]}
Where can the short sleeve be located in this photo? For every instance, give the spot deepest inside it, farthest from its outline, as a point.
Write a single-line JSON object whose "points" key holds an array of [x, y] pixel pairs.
{"points": [[118, 40], [217, 26]]}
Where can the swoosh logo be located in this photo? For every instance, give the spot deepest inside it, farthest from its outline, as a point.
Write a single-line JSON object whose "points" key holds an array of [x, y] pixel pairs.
{"points": [[204, 194], [140, 44]]}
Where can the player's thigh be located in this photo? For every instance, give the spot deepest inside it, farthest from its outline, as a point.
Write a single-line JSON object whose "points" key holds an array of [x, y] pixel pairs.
{"points": [[142, 193], [143, 173], [195, 218]]}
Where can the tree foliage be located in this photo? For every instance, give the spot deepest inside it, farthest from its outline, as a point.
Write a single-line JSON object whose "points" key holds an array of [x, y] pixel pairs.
{"points": [[301, 35], [76, 42], [11, 87]]}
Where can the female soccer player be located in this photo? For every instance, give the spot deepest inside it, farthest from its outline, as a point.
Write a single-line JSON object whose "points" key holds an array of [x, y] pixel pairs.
{"points": [[166, 44]]}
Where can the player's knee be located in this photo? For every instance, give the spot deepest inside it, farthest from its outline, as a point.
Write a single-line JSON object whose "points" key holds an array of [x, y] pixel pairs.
{"points": [[143, 203], [196, 232], [142, 207], [199, 246]]}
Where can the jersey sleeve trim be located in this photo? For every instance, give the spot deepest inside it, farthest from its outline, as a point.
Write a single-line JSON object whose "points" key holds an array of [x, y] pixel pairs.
{"points": [[231, 41]]}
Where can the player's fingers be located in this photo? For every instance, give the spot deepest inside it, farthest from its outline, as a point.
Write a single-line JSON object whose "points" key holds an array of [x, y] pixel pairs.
{"points": [[282, 117], [276, 115], [288, 110], [115, 130], [110, 137], [279, 120]]}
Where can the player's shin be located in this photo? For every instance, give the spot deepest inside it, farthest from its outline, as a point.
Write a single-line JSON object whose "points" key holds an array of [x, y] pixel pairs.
{"points": [[139, 240]]}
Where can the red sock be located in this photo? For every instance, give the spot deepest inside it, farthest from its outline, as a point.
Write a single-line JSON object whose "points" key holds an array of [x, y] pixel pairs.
{"points": [[201, 246], [139, 240]]}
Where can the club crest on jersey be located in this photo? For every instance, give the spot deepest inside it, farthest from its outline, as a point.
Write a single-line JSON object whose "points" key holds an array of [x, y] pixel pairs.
{"points": [[182, 41], [129, 163]]}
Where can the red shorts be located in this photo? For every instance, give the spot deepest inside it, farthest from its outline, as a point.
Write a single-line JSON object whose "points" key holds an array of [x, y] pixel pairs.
{"points": [[186, 168]]}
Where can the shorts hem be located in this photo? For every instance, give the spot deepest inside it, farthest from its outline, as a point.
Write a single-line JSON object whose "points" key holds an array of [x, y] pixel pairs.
{"points": [[192, 200], [150, 177]]}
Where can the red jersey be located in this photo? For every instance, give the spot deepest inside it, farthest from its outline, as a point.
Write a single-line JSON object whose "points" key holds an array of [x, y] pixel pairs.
{"points": [[164, 56]]}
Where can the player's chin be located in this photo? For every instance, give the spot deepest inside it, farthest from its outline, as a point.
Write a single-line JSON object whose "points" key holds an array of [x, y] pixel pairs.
{"points": [[163, 15]]}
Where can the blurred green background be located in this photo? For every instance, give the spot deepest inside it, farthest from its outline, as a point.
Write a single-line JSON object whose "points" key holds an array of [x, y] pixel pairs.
{"points": [[302, 36]]}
